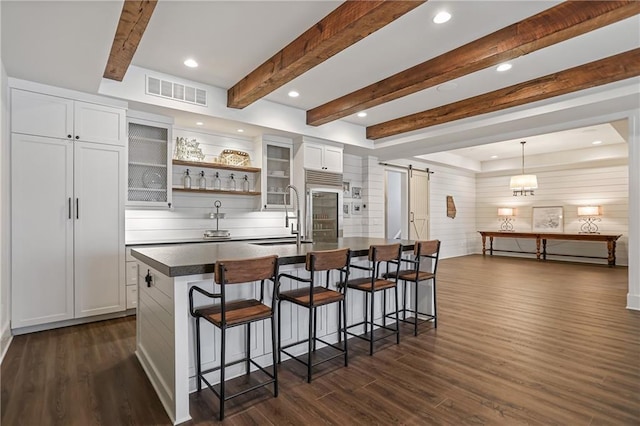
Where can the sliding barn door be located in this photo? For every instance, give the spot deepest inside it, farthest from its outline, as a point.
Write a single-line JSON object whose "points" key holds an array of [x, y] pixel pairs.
{"points": [[418, 205]]}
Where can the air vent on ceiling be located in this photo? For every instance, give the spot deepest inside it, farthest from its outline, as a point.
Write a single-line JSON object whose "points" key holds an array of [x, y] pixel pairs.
{"points": [[176, 91]]}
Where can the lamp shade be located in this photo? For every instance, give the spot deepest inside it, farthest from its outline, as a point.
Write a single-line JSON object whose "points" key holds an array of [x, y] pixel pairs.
{"points": [[589, 211], [505, 211], [523, 182]]}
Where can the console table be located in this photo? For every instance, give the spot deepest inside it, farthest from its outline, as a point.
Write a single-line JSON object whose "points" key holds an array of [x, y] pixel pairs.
{"points": [[610, 239]]}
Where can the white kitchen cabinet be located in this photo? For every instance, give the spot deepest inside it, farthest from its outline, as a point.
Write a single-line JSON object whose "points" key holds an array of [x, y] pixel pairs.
{"points": [[42, 230], [62, 118], [322, 157], [149, 163], [277, 173], [67, 207], [99, 172]]}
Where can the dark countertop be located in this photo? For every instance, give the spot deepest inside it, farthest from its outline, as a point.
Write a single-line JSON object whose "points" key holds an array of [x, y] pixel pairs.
{"points": [[194, 259], [203, 240]]}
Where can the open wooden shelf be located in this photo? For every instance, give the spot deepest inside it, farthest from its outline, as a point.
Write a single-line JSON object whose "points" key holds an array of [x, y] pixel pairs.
{"points": [[216, 166], [216, 191]]}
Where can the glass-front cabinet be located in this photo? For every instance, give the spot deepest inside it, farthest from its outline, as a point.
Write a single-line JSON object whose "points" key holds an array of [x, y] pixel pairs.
{"points": [[277, 173], [149, 163]]}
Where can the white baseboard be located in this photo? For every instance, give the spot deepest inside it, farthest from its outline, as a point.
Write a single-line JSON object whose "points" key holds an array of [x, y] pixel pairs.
{"points": [[5, 340], [633, 301]]}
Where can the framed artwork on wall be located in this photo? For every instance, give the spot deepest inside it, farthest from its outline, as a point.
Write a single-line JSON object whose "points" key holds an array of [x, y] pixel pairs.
{"points": [[547, 219], [346, 189], [356, 208], [356, 192], [346, 207]]}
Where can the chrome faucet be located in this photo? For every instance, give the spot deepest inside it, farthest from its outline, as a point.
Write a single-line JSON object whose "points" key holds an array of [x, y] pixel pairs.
{"points": [[295, 232]]}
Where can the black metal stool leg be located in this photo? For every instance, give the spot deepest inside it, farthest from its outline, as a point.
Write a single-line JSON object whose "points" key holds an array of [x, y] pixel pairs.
{"points": [[344, 331], [248, 347], [397, 318], [311, 316], [372, 313], [222, 368], [198, 364], [415, 312], [275, 356], [279, 331], [435, 305]]}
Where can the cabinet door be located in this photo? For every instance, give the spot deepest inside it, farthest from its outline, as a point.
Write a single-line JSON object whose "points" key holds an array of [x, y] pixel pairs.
{"points": [[42, 230], [277, 174], [100, 123], [41, 115], [313, 156], [333, 159], [99, 229]]}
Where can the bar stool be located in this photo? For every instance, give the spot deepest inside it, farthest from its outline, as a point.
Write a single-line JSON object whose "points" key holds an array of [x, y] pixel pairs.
{"points": [[388, 255], [232, 313], [421, 251], [313, 296]]}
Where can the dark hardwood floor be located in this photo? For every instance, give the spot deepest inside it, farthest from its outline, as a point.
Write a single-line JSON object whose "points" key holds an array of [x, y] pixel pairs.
{"points": [[518, 342]]}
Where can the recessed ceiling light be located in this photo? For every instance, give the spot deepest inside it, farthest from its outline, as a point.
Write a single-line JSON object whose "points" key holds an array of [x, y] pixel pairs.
{"points": [[191, 63], [503, 67], [494, 156], [596, 142], [199, 123], [441, 17], [240, 130], [362, 114], [293, 94]]}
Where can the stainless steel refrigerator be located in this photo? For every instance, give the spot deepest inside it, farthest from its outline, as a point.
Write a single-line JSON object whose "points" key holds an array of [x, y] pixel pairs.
{"points": [[324, 214]]}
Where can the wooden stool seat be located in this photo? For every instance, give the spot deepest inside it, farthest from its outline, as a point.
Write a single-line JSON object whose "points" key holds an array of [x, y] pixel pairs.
{"points": [[237, 313], [321, 296], [364, 284], [410, 275]]}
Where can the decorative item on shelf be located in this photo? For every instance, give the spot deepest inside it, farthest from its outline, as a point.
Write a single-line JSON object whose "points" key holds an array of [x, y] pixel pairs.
{"points": [[523, 184], [152, 180], [589, 215], [186, 180], [202, 182], [188, 150], [245, 183], [216, 182], [232, 182], [235, 158], [506, 217]]}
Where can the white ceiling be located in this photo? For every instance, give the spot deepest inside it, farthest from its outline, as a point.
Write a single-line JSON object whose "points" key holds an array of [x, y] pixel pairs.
{"points": [[66, 44]]}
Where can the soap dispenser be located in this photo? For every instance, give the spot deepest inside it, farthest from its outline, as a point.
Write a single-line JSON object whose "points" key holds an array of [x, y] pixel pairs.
{"points": [[245, 184], [216, 182], [187, 180], [232, 183], [202, 182]]}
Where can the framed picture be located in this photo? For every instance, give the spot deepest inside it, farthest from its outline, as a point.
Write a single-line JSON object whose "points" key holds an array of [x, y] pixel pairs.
{"points": [[356, 192], [345, 209], [547, 219], [346, 189], [356, 209]]}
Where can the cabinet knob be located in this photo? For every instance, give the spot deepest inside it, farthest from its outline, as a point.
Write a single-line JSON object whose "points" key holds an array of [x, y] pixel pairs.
{"points": [[77, 137], [69, 136]]}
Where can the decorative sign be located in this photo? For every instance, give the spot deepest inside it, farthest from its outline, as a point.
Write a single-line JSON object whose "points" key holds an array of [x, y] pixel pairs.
{"points": [[451, 207], [188, 150]]}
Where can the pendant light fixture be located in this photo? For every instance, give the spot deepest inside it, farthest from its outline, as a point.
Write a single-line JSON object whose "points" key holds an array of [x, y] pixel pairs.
{"points": [[523, 184]]}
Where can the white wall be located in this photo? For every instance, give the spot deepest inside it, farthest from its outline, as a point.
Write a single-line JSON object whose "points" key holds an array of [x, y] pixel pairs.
{"points": [[605, 186], [633, 296], [189, 216], [5, 227], [352, 173]]}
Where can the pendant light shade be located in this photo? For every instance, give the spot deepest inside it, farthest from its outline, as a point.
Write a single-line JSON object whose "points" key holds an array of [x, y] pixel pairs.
{"points": [[523, 184]]}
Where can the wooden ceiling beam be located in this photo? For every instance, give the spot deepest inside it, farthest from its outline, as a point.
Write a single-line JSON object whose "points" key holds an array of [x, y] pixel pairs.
{"points": [[614, 68], [568, 19], [133, 22], [350, 22]]}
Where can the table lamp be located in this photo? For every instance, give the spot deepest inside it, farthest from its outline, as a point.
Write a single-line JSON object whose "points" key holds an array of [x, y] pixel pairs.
{"points": [[589, 215], [506, 217]]}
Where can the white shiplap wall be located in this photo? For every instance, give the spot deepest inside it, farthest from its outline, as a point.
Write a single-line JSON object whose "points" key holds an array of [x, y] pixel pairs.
{"points": [[189, 216], [352, 173], [372, 198], [605, 186]]}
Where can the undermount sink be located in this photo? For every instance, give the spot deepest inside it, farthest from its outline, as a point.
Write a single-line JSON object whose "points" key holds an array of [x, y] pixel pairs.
{"points": [[280, 243]]}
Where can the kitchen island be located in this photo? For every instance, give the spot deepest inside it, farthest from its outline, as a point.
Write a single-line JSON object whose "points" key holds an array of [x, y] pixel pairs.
{"points": [[165, 335]]}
